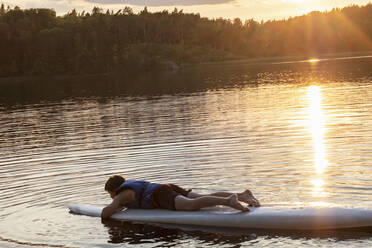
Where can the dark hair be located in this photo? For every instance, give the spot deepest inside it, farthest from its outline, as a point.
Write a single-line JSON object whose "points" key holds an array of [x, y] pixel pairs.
{"points": [[113, 183]]}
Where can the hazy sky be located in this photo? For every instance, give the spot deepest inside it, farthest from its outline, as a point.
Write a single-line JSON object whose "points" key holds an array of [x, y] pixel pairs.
{"points": [[244, 9]]}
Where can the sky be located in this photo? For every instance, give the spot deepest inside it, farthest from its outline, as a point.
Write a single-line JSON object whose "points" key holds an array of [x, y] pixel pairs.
{"points": [[243, 9]]}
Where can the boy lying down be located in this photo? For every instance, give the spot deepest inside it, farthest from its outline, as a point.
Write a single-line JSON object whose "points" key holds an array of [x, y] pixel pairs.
{"points": [[146, 195]]}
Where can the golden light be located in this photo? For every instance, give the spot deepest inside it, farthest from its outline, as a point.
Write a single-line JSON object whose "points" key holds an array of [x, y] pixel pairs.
{"points": [[318, 190], [319, 204], [316, 125], [318, 183], [313, 61]]}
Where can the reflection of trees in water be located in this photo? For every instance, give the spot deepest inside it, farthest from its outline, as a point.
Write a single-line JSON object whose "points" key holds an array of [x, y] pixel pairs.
{"points": [[102, 86], [189, 80]]}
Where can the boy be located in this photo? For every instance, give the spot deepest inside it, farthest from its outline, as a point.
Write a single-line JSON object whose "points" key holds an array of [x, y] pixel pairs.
{"points": [[146, 195]]}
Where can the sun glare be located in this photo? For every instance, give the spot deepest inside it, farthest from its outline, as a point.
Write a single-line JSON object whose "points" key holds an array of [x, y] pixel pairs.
{"points": [[316, 126], [318, 190], [319, 204], [313, 60]]}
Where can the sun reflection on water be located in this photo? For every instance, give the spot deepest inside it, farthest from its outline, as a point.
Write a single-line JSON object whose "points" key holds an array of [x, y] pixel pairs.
{"points": [[316, 125], [313, 61], [318, 190]]}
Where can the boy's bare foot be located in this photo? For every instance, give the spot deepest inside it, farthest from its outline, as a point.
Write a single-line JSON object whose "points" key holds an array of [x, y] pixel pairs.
{"points": [[248, 198], [234, 203]]}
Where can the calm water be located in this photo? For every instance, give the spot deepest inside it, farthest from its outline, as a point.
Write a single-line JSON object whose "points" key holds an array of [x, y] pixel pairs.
{"points": [[297, 134]]}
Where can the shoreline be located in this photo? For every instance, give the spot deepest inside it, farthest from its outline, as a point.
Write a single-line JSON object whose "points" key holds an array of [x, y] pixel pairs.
{"points": [[292, 59], [251, 61]]}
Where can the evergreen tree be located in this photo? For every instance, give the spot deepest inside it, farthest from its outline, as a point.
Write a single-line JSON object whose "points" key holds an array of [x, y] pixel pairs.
{"points": [[36, 41]]}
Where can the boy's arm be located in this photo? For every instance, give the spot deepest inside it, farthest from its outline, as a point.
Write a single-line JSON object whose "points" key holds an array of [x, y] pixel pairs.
{"points": [[121, 199]]}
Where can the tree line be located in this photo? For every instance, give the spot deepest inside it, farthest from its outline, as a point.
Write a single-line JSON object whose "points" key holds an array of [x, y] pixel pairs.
{"points": [[38, 42]]}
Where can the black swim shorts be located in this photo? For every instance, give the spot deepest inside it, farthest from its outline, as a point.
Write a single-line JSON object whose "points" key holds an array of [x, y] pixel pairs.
{"points": [[165, 195]]}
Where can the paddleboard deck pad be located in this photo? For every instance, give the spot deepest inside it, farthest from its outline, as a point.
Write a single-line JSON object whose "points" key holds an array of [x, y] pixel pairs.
{"points": [[258, 218]]}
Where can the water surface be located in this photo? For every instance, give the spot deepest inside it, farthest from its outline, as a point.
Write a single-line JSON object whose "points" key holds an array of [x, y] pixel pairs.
{"points": [[296, 134]]}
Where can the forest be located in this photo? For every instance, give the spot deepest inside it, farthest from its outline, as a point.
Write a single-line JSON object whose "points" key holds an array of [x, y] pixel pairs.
{"points": [[38, 42]]}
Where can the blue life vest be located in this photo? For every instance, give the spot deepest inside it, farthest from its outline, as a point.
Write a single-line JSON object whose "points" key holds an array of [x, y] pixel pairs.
{"points": [[144, 191]]}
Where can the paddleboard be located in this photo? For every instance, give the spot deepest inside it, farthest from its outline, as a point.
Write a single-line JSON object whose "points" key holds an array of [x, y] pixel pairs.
{"points": [[260, 218]]}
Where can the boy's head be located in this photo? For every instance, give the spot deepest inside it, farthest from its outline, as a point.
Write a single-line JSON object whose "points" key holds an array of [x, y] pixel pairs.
{"points": [[113, 183]]}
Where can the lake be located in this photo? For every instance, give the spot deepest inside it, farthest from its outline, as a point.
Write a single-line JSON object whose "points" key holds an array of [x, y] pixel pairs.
{"points": [[296, 134]]}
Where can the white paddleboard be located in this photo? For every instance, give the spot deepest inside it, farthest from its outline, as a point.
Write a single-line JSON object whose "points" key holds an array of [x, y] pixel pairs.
{"points": [[262, 218]]}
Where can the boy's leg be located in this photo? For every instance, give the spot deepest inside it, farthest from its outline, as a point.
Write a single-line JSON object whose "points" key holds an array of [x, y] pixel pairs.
{"points": [[191, 204], [245, 196]]}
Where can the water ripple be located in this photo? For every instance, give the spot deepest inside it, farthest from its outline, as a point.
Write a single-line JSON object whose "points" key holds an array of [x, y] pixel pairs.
{"points": [[227, 139]]}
